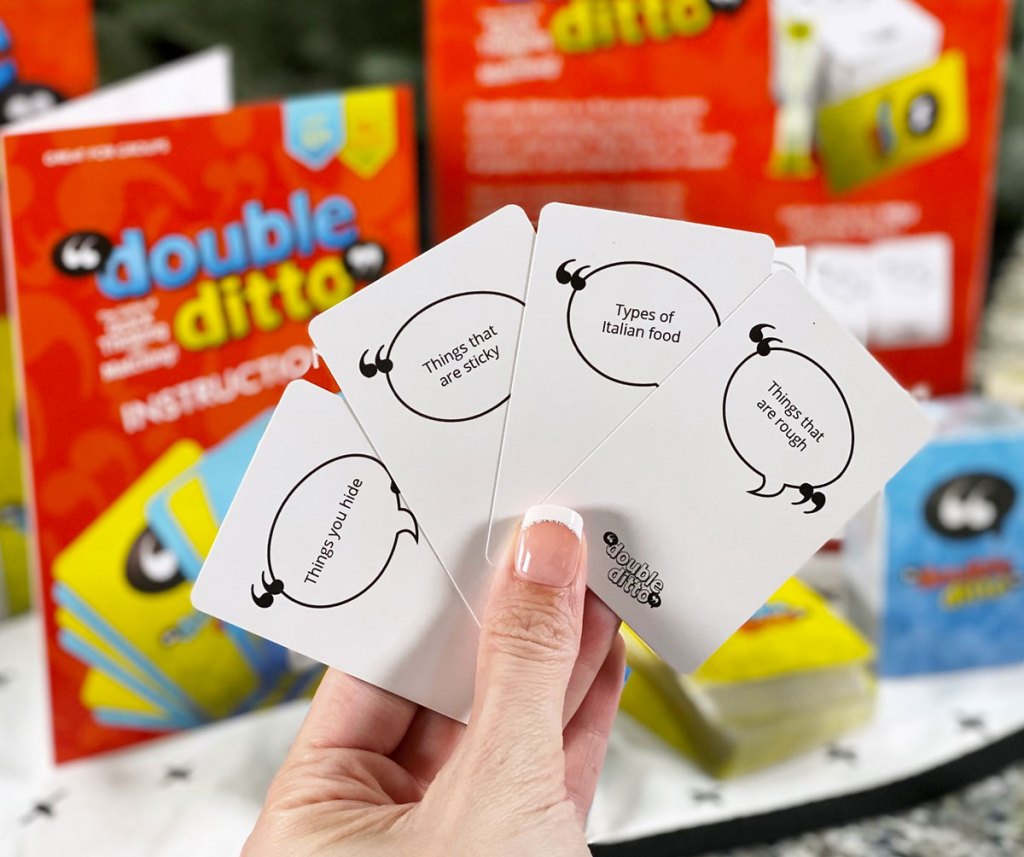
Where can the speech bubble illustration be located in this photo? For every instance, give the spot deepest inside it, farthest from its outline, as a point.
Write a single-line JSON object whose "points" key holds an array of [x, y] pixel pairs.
{"points": [[151, 567], [970, 505], [23, 99], [632, 322], [81, 253], [788, 421], [334, 535], [452, 361], [366, 260]]}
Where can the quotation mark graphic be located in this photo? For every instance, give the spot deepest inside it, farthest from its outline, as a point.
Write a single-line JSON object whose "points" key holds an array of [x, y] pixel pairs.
{"points": [[82, 253], [266, 598], [764, 343], [23, 99], [575, 278], [365, 261], [810, 496], [151, 567], [379, 364], [970, 505]]}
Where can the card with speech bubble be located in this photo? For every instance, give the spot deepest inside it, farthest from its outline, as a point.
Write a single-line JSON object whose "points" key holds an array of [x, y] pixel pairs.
{"points": [[913, 297], [615, 302], [320, 554], [425, 358], [747, 459]]}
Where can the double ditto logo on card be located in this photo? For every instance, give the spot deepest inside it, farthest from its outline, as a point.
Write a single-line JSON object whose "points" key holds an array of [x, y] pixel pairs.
{"points": [[633, 576]]}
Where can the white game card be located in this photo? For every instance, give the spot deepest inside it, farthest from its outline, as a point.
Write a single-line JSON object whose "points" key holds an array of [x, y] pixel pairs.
{"points": [[319, 554], [842, 278], [425, 358], [913, 295], [193, 86], [792, 259], [744, 462], [615, 302]]}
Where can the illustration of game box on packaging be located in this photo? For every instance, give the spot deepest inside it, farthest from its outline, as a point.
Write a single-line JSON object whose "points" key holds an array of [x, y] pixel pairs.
{"points": [[33, 77], [165, 274], [836, 125]]}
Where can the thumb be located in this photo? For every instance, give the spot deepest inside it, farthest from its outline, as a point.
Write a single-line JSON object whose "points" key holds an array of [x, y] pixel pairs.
{"points": [[531, 631]]}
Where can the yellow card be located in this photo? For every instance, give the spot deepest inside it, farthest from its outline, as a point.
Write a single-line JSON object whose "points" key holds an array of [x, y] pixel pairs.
{"points": [[80, 640], [795, 631], [134, 586], [906, 122], [101, 691], [13, 543], [191, 509], [68, 621]]}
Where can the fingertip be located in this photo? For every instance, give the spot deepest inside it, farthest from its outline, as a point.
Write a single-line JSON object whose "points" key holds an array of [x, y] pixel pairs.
{"points": [[531, 629], [549, 547]]}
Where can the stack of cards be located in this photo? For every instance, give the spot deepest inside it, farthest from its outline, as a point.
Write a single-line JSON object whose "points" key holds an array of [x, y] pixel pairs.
{"points": [[794, 677], [708, 417], [123, 608]]}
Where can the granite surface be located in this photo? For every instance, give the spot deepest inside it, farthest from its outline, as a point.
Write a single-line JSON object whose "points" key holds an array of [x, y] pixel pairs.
{"points": [[985, 819]]}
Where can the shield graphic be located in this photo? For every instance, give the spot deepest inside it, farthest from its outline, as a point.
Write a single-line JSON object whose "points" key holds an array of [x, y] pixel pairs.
{"points": [[314, 129]]}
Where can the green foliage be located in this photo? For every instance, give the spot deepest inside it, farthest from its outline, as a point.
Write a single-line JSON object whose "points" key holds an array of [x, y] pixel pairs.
{"points": [[280, 47]]}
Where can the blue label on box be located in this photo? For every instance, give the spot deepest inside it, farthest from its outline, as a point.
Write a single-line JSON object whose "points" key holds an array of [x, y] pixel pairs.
{"points": [[953, 594]]}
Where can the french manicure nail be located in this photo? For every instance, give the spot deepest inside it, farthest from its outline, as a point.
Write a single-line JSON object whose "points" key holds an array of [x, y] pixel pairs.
{"points": [[549, 546]]}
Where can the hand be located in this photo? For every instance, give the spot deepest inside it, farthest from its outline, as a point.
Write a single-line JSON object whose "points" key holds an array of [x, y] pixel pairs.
{"points": [[372, 775]]}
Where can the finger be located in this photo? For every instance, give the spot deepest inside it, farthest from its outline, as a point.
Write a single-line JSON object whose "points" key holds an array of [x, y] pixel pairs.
{"points": [[427, 746], [600, 629], [347, 713], [586, 737], [530, 636], [432, 738]]}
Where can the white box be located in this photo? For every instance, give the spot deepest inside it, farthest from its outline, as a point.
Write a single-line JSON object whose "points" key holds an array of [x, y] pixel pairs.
{"points": [[864, 43]]}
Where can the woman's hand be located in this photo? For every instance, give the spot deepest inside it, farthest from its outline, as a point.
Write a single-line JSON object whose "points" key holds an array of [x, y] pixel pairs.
{"points": [[371, 774]]}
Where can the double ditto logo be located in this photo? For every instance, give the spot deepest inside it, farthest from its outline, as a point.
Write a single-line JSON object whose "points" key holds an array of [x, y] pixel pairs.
{"points": [[970, 505]]}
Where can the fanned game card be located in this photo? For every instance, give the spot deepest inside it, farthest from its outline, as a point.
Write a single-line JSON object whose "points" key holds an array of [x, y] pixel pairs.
{"points": [[425, 359], [744, 462], [615, 302], [320, 554]]}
